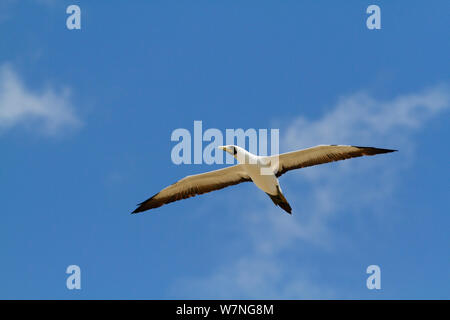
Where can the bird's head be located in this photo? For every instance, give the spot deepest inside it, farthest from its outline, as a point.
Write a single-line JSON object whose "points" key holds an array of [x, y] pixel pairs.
{"points": [[240, 154], [233, 150]]}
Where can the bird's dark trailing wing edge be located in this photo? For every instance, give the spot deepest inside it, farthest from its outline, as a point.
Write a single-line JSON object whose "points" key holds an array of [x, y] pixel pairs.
{"points": [[191, 186], [321, 154]]}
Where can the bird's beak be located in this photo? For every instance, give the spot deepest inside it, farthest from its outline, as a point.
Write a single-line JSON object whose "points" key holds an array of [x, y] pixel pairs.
{"points": [[222, 148]]}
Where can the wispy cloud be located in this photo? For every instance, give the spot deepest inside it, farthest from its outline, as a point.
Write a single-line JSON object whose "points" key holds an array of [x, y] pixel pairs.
{"points": [[360, 119], [49, 111], [320, 195]]}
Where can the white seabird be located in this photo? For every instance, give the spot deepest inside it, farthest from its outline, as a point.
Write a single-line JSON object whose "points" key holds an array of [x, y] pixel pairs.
{"points": [[262, 170]]}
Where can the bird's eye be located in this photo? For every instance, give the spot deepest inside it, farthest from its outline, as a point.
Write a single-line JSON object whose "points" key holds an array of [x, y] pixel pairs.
{"points": [[234, 151]]}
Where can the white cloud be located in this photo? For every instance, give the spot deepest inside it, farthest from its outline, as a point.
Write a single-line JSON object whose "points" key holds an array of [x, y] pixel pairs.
{"points": [[253, 277], [49, 110], [322, 195], [360, 119]]}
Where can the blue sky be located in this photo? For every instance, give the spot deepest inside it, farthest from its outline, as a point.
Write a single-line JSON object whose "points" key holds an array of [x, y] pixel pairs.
{"points": [[85, 123]]}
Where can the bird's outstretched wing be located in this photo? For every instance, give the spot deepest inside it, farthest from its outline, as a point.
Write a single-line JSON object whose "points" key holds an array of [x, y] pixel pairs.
{"points": [[318, 155], [191, 186]]}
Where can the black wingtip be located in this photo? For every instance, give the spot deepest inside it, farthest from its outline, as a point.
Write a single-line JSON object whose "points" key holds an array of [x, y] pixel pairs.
{"points": [[137, 210], [388, 150], [143, 206], [373, 151]]}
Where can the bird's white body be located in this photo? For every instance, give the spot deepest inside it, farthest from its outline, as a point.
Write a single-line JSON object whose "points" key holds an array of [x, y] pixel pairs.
{"points": [[267, 183], [256, 167]]}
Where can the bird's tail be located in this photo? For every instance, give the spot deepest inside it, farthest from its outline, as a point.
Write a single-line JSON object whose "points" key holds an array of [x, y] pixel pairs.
{"points": [[281, 201]]}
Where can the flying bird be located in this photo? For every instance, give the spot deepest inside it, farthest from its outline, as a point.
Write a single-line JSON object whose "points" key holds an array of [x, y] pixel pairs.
{"points": [[263, 171]]}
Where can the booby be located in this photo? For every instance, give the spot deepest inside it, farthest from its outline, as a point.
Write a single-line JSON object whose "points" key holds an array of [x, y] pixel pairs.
{"points": [[263, 171]]}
